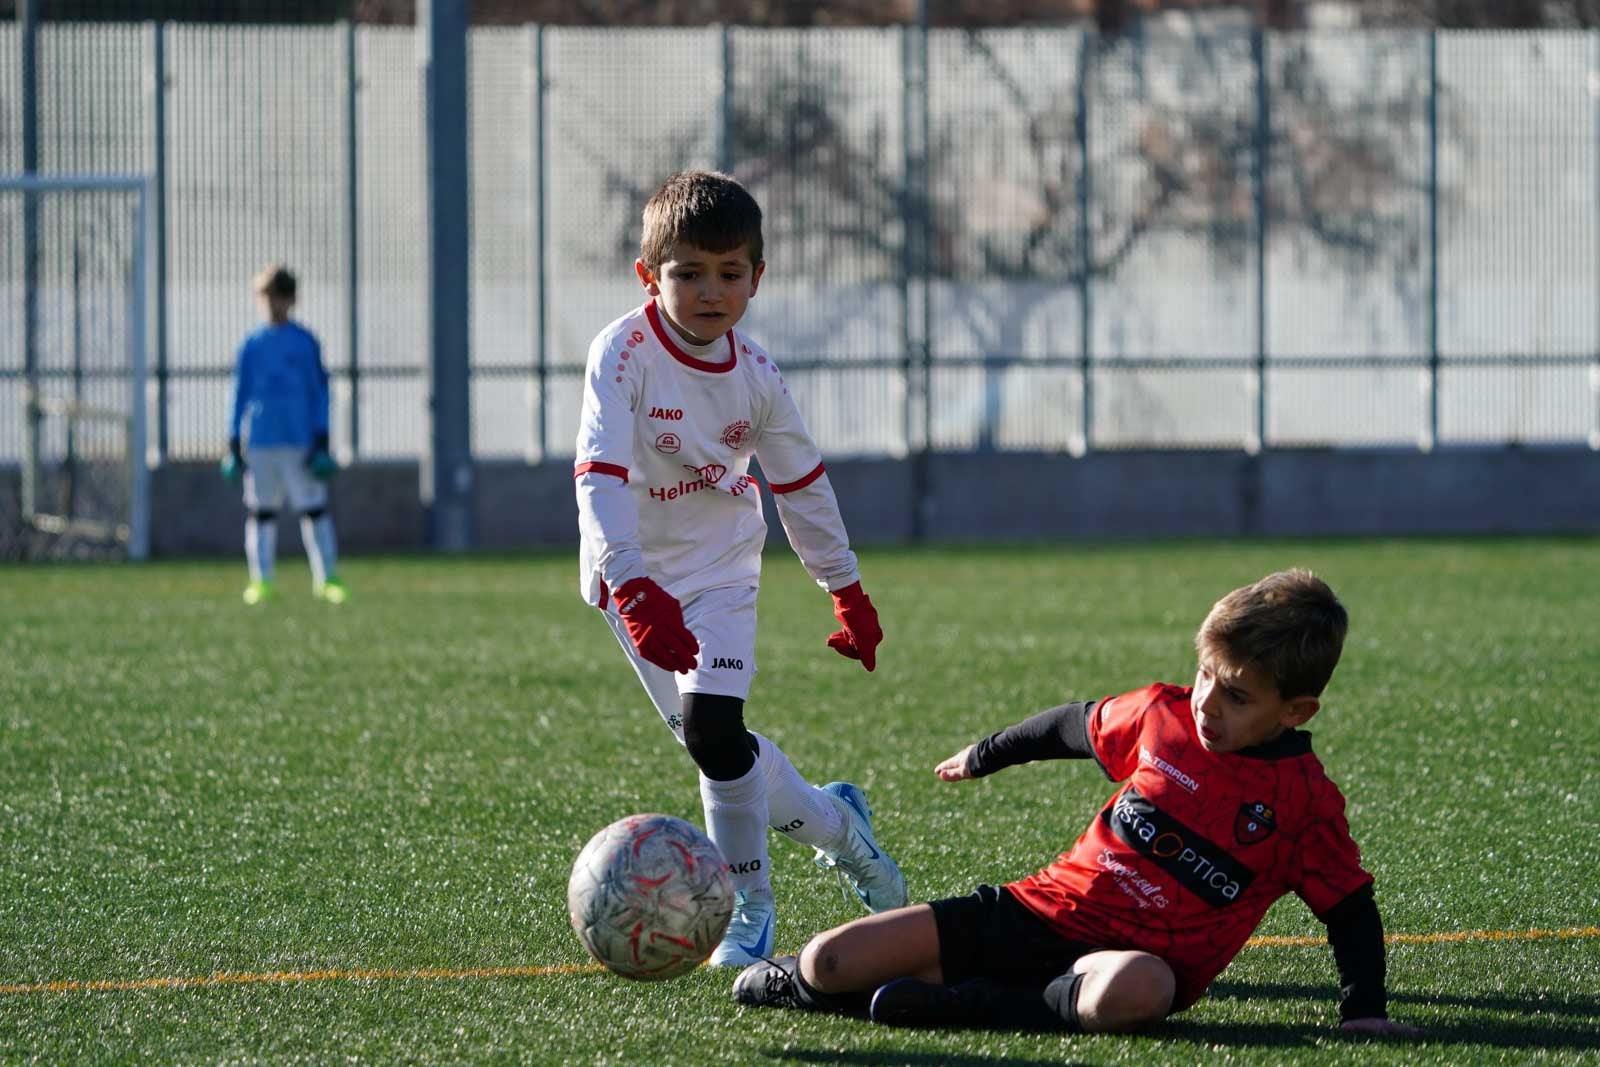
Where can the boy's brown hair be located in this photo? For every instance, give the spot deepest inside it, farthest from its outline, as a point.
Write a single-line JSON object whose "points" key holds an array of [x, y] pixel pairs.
{"points": [[276, 281], [1289, 625], [707, 209]]}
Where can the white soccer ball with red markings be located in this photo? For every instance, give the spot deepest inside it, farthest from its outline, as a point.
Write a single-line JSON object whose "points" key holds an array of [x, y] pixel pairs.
{"points": [[650, 897]]}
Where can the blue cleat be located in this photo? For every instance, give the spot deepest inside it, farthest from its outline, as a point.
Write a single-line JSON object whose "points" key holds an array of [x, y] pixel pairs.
{"points": [[749, 936], [875, 877]]}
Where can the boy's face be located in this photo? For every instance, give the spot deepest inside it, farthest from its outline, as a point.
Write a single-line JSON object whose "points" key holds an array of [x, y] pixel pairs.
{"points": [[1237, 707], [703, 293]]}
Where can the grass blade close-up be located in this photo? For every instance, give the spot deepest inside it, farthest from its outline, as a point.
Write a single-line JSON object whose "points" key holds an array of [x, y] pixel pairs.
{"points": [[307, 833]]}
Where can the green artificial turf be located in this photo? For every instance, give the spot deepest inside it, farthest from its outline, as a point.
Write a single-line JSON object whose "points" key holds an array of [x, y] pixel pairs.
{"points": [[292, 793]]}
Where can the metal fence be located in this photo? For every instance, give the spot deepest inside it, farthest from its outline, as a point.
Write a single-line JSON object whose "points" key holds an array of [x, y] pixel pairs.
{"points": [[1005, 239]]}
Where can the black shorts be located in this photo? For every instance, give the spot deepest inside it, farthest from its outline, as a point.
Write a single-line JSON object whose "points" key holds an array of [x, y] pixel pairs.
{"points": [[988, 934]]}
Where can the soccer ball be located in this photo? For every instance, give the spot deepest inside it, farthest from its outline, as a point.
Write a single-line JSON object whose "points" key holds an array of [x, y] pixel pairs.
{"points": [[650, 897]]}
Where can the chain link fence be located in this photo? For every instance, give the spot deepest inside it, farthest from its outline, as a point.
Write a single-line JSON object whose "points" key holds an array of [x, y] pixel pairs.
{"points": [[1006, 239]]}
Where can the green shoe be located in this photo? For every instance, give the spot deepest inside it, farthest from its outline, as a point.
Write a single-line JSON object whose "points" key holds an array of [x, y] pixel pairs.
{"points": [[259, 592], [333, 591]]}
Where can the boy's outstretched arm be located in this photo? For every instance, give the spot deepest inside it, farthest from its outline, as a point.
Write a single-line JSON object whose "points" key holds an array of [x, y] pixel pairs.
{"points": [[1355, 932], [1059, 733]]}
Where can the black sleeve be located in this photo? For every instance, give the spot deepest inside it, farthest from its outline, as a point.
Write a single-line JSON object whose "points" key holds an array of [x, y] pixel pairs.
{"points": [[1355, 930], [1060, 733]]}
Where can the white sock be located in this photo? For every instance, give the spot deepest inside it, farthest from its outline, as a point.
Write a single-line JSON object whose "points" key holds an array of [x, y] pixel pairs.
{"points": [[260, 547], [736, 819], [796, 808], [317, 536]]}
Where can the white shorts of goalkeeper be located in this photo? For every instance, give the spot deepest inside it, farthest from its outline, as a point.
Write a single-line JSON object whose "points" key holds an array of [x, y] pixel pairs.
{"points": [[275, 476]]}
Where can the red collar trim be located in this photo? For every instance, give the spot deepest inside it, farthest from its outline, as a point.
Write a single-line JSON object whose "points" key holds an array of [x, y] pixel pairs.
{"points": [[664, 335]]}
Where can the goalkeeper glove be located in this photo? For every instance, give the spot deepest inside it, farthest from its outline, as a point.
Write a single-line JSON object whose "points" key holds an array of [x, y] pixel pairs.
{"points": [[655, 625], [232, 465], [861, 634], [319, 462]]}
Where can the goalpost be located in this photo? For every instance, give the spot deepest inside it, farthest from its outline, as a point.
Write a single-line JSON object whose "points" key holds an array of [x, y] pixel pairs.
{"points": [[73, 404]]}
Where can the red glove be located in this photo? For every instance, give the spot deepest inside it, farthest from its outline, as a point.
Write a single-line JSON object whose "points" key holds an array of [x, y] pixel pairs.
{"points": [[861, 634], [655, 625]]}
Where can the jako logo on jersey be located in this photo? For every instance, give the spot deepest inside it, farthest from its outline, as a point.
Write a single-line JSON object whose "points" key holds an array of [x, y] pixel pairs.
{"points": [[711, 472], [1254, 823], [668, 443], [735, 433], [790, 827], [669, 414], [1150, 759], [1200, 866], [748, 867], [723, 663]]}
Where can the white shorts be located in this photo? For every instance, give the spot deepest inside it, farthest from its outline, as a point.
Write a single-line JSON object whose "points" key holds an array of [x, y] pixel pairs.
{"points": [[724, 622], [272, 475]]}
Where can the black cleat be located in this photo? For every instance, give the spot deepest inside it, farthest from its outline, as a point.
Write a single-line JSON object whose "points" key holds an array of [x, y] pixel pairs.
{"points": [[768, 983], [913, 1002]]}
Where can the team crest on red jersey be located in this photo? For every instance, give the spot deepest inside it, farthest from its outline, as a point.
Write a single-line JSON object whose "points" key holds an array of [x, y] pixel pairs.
{"points": [[735, 434], [1254, 823]]}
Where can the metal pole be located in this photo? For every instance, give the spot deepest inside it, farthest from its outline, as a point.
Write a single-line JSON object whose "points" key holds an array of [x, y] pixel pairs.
{"points": [[1431, 437], [138, 429], [541, 229], [352, 207], [157, 84], [725, 126], [28, 17], [447, 473], [908, 416], [1258, 46], [1085, 253]]}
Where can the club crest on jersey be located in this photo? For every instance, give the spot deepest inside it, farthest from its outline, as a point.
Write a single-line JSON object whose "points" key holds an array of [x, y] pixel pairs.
{"points": [[1254, 823], [735, 434], [668, 443], [711, 472]]}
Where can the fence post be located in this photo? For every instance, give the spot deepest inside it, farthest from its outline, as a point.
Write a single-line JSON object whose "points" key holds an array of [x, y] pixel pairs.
{"points": [[156, 86], [28, 31], [1431, 434], [915, 267], [1594, 371], [1085, 252], [447, 474], [538, 202], [352, 200], [1260, 170], [725, 103]]}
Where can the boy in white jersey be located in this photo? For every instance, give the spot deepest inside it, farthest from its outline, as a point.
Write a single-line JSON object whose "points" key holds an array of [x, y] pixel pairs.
{"points": [[676, 402]]}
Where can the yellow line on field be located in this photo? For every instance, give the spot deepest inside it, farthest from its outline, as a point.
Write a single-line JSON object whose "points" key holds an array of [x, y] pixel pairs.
{"points": [[446, 973], [1441, 937]]}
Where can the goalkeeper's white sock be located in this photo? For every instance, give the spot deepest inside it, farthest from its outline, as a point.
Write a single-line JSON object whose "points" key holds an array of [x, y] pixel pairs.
{"points": [[796, 808], [736, 819], [321, 548], [260, 548]]}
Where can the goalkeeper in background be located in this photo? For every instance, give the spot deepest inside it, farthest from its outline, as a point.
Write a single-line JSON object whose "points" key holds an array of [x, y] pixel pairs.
{"points": [[278, 441]]}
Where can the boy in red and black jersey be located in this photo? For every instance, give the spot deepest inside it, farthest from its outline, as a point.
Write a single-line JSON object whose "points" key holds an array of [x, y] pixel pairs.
{"points": [[1223, 809]]}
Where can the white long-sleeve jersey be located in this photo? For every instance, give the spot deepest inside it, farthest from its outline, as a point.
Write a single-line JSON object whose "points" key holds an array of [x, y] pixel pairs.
{"points": [[662, 467]]}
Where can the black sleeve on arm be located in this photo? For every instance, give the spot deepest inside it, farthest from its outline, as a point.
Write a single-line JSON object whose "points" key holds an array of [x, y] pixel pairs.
{"points": [[1355, 930], [1060, 733]]}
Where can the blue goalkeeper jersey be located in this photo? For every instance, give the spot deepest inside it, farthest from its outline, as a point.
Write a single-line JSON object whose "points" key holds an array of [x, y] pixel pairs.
{"points": [[280, 388]]}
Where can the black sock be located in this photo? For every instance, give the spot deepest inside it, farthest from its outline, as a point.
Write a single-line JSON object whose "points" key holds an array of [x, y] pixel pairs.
{"points": [[987, 1002], [814, 999], [1061, 997]]}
